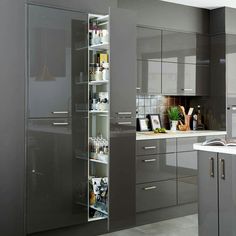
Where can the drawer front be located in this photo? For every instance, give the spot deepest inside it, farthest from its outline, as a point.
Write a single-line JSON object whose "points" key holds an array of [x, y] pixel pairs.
{"points": [[146, 147], [155, 195], [186, 144], [150, 147], [155, 168], [187, 190], [187, 164]]}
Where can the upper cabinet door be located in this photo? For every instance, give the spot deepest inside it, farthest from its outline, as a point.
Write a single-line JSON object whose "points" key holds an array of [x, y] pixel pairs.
{"points": [[123, 72], [49, 60], [149, 77], [178, 47], [148, 44], [231, 68]]}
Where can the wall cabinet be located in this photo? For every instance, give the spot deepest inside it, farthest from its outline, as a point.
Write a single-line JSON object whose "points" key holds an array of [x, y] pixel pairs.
{"points": [[184, 60], [216, 194]]}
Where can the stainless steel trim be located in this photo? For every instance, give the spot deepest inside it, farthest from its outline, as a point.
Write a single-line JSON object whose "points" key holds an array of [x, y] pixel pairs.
{"points": [[124, 113], [60, 123], [211, 170], [222, 167], [187, 89], [150, 188], [150, 160], [124, 123], [150, 147], [60, 112]]}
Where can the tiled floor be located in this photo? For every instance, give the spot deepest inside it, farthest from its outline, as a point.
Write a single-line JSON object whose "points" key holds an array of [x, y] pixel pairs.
{"points": [[183, 226]]}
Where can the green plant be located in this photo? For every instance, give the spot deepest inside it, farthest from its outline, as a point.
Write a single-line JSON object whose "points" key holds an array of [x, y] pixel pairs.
{"points": [[173, 113]]}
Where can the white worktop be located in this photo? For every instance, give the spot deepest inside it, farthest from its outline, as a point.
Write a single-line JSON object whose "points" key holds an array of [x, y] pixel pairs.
{"points": [[219, 149], [178, 134]]}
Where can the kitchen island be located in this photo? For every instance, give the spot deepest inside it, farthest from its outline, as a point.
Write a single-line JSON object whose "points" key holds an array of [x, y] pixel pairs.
{"points": [[216, 190]]}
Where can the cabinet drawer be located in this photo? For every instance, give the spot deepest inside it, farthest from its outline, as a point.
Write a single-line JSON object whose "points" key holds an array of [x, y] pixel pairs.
{"points": [[155, 195], [149, 147], [187, 190], [155, 168], [186, 144], [187, 164]]}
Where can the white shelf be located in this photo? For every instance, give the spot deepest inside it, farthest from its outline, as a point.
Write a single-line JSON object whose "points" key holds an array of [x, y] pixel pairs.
{"points": [[98, 161], [97, 218], [100, 82], [101, 46], [98, 112]]}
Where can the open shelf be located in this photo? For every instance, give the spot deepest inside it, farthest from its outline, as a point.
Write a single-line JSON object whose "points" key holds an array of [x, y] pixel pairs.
{"points": [[98, 161], [97, 218], [101, 46], [98, 209], [97, 112], [100, 82]]}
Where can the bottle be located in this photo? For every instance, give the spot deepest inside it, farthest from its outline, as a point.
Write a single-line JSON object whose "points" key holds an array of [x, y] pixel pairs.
{"points": [[199, 116], [195, 122]]}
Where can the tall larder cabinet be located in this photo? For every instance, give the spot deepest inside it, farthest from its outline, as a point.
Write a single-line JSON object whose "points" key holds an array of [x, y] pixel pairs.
{"points": [[80, 119]]}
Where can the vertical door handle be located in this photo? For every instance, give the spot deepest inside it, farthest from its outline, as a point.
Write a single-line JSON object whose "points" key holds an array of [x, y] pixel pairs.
{"points": [[211, 170], [222, 168]]}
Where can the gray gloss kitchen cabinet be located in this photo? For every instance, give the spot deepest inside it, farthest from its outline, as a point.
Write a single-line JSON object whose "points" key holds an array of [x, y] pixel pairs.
{"points": [[148, 77], [180, 47], [184, 79], [149, 43], [217, 191]]}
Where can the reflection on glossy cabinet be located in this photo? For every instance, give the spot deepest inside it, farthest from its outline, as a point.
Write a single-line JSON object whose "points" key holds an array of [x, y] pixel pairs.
{"points": [[184, 79], [148, 44], [148, 77]]}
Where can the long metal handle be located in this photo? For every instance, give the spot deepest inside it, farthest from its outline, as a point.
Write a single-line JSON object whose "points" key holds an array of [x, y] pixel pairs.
{"points": [[222, 166], [187, 89], [60, 123], [138, 88], [150, 160], [124, 113], [212, 172], [234, 108], [150, 147], [125, 123], [59, 112], [150, 188]]}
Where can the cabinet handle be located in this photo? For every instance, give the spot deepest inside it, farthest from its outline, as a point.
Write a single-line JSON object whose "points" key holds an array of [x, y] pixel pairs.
{"points": [[187, 89], [124, 113], [151, 147], [125, 123], [234, 108], [149, 160], [222, 166], [138, 88], [150, 188], [212, 174], [60, 112], [60, 124]]}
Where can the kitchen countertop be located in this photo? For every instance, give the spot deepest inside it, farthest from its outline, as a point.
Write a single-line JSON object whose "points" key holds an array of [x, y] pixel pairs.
{"points": [[219, 149], [177, 134]]}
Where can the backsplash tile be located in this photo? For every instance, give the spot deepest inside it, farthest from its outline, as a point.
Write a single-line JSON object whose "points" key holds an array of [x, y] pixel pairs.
{"points": [[156, 104]]}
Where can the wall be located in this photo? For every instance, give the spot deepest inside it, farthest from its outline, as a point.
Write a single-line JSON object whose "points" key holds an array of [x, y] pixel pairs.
{"points": [[12, 69], [168, 15]]}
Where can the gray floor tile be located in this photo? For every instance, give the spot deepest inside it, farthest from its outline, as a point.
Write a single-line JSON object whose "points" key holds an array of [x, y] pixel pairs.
{"points": [[183, 226]]}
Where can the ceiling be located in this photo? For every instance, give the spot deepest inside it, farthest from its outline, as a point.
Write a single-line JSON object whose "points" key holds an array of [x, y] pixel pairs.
{"points": [[208, 4]]}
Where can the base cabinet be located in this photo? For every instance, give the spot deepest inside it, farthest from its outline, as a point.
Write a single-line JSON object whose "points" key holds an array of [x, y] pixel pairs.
{"points": [[217, 181]]}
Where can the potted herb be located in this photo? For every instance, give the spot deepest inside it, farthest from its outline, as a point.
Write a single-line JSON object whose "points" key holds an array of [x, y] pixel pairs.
{"points": [[174, 116]]}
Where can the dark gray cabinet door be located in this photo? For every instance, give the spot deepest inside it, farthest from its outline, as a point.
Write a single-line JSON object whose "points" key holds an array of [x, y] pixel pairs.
{"points": [[56, 179], [227, 194], [49, 66], [155, 168], [178, 47], [123, 72], [148, 44], [231, 69], [207, 194], [184, 79], [148, 77], [122, 126]]}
